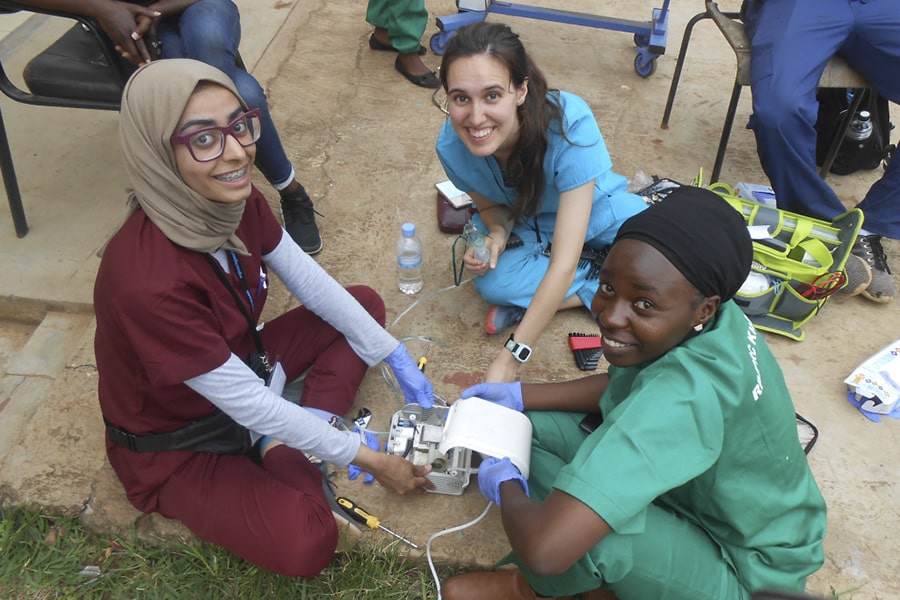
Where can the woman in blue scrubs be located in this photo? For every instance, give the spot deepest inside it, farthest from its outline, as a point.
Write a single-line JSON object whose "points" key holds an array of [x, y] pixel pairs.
{"points": [[534, 162]]}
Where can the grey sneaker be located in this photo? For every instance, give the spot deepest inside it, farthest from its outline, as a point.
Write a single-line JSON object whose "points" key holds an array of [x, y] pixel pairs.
{"points": [[859, 275], [299, 218], [881, 288]]}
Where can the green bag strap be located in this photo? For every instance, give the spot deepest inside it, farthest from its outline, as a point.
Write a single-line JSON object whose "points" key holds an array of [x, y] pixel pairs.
{"points": [[802, 229], [819, 252]]}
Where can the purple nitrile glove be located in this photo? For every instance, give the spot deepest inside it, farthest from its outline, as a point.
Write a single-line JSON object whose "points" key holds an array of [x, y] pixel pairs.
{"points": [[415, 386], [504, 394], [372, 442], [494, 471]]}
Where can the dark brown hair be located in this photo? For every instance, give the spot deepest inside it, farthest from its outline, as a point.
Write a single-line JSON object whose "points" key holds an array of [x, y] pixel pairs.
{"points": [[525, 168]]}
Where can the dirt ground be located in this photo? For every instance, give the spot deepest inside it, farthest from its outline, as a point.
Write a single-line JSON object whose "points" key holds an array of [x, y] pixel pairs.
{"points": [[362, 141]]}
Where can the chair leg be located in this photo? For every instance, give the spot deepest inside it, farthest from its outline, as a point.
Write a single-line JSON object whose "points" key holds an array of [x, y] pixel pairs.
{"points": [[11, 183], [841, 132], [726, 132], [679, 64]]}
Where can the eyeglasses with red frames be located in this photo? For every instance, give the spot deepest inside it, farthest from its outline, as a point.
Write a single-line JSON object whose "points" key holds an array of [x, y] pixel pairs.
{"points": [[208, 143]]}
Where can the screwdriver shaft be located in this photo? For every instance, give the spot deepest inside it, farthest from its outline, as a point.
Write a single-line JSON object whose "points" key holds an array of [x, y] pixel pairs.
{"points": [[398, 536]]}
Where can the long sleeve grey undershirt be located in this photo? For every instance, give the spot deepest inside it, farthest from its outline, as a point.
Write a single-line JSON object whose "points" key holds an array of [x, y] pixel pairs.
{"points": [[238, 392], [320, 293]]}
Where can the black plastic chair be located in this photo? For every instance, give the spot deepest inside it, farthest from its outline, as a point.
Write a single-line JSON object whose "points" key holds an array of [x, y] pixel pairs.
{"points": [[81, 69]]}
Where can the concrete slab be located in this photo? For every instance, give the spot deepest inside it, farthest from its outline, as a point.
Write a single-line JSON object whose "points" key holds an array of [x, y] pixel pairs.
{"points": [[361, 139], [50, 345], [19, 406]]}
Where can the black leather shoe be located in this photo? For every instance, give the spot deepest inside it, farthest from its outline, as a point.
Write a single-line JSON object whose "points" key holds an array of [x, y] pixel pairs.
{"points": [[426, 80], [374, 44]]}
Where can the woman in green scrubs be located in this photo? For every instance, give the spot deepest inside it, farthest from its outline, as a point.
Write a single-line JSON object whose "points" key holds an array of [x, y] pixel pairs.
{"points": [[694, 485]]}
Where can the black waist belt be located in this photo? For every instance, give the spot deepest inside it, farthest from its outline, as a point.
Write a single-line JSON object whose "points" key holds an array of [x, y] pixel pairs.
{"points": [[217, 434]]}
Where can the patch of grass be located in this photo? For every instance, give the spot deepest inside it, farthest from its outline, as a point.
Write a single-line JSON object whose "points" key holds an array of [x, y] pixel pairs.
{"points": [[49, 557]]}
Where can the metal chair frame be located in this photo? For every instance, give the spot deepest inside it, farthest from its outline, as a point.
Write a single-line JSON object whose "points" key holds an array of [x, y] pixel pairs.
{"points": [[14, 92], [837, 74]]}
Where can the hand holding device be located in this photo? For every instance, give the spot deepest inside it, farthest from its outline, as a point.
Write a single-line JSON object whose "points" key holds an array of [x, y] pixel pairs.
{"points": [[493, 472], [504, 394]]}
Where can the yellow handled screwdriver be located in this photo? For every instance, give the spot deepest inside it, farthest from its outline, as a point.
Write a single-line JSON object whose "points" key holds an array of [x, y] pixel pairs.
{"points": [[361, 516], [423, 360]]}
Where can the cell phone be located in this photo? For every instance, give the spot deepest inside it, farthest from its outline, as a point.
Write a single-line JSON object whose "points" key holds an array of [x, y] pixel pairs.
{"points": [[590, 422], [154, 45]]}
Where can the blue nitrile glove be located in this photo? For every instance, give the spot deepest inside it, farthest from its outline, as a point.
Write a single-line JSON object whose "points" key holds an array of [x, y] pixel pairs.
{"points": [[504, 394], [415, 386], [372, 442], [494, 471]]}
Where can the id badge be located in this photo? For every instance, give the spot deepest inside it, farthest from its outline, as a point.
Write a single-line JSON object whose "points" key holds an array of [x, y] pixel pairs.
{"points": [[277, 379]]}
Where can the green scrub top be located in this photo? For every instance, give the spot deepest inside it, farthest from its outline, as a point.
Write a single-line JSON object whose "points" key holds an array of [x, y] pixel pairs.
{"points": [[706, 432]]}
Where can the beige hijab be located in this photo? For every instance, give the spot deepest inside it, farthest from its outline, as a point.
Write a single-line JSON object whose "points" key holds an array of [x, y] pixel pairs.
{"points": [[152, 104]]}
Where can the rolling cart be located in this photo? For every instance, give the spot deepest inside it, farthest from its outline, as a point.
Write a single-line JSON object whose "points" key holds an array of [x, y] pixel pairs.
{"points": [[649, 36]]}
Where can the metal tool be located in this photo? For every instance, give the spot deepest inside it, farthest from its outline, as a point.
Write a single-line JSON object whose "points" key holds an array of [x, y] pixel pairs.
{"points": [[361, 516]]}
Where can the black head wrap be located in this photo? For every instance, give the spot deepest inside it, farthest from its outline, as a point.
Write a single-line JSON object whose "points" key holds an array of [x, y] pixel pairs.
{"points": [[702, 235]]}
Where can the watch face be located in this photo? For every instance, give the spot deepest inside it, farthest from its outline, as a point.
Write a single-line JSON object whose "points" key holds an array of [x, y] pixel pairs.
{"points": [[520, 351]]}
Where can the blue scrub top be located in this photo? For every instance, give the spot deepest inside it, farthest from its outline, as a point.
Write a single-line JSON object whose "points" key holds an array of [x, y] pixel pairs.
{"points": [[569, 162]]}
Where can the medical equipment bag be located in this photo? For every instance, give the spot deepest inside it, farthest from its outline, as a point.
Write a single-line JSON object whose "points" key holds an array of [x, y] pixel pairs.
{"points": [[798, 262]]}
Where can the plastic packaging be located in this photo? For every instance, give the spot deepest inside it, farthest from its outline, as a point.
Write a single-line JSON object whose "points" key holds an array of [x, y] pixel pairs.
{"points": [[409, 261], [639, 182], [761, 194]]}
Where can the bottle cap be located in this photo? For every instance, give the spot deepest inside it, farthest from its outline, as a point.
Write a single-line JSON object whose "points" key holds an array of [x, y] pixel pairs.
{"points": [[864, 115], [409, 229]]}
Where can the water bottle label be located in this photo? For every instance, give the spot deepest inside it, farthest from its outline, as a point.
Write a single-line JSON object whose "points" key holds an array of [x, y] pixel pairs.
{"points": [[409, 262]]}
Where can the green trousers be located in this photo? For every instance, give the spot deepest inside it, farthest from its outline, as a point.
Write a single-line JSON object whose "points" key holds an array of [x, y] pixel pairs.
{"points": [[672, 559], [405, 21]]}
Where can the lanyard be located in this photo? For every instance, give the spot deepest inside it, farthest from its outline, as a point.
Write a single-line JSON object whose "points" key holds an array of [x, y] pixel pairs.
{"points": [[240, 273], [237, 299]]}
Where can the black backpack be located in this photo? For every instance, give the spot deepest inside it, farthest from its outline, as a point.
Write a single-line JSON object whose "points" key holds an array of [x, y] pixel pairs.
{"points": [[852, 155]]}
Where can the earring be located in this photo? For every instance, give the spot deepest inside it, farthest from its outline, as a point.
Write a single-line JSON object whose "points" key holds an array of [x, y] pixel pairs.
{"points": [[698, 327]]}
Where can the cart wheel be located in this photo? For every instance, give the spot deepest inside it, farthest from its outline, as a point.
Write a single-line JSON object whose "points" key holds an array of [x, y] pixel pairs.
{"points": [[644, 66], [641, 40], [439, 41]]}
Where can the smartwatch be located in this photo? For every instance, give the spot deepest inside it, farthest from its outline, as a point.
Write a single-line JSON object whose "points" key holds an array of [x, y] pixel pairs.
{"points": [[521, 352]]}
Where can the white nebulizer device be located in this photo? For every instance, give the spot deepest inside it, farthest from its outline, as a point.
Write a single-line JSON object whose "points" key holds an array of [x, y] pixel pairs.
{"points": [[445, 437]]}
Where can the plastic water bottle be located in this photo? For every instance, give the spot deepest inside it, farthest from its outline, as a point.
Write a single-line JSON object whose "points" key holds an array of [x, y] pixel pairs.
{"points": [[475, 239], [860, 126], [409, 261]]}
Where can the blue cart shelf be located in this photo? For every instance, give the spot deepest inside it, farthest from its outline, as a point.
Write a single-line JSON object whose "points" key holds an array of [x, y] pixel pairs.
{"points": [[649, 36]]}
